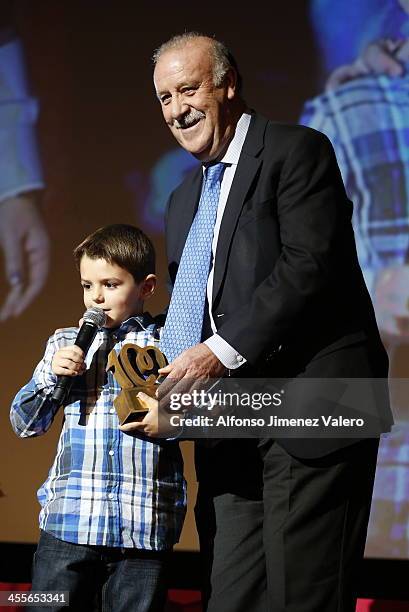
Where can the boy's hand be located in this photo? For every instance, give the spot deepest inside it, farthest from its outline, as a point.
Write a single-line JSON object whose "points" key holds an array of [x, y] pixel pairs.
{"points": [[155, 424], [69, 361]]}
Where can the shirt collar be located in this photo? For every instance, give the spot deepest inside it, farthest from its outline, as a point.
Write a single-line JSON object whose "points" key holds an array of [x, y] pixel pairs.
{"points": [[233, 152], [144, 321]]}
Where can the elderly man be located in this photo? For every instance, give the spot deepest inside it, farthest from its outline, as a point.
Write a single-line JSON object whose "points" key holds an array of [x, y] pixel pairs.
{"points": [[262, 257]]}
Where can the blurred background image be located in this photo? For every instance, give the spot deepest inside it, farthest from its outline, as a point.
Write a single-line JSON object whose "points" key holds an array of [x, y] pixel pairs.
{"points": [[83, 144]]}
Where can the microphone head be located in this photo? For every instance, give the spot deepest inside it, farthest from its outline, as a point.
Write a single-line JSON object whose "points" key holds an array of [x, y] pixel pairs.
{"points": [[96, 316]]}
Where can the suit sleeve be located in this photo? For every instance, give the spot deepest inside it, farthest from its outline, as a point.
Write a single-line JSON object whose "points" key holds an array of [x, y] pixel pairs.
{"points": [[314, 217]]}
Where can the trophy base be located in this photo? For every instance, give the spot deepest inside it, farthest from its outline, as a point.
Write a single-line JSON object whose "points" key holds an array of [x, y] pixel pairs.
{"points": [[128, 407]]}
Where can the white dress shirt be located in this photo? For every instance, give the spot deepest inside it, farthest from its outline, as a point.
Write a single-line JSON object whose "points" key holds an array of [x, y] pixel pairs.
{"points": [[229, 357]]}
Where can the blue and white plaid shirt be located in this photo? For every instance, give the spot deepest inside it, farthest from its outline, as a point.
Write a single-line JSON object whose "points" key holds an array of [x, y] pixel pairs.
{"points": [[105, 487], [367, 121]]}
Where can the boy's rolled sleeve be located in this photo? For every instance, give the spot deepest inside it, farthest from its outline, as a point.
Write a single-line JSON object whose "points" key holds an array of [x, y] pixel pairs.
{"points": [[32, 411]]}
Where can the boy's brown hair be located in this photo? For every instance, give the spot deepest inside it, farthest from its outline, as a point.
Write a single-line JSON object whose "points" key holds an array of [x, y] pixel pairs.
{"points": [[121, 244]]}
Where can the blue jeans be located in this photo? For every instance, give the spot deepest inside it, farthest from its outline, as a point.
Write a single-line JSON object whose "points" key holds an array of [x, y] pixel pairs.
{"points": [[99, 577]]}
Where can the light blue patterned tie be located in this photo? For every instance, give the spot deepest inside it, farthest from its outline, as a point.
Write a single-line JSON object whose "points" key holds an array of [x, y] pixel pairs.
{"points": [[183, 327]]}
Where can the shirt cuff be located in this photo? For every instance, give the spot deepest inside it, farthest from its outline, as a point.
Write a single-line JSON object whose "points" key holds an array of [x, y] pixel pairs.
{"points": [[176, 437], [224, 352]]}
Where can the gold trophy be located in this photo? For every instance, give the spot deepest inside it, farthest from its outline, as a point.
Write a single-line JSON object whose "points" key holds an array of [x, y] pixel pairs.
{"points": [[135, 368]]}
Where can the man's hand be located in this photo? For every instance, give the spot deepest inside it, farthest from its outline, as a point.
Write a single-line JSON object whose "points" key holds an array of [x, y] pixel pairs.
{"points": [[25, 244], [391, 302], [384, 56], [69, 361], [190, 370], [345, 73]]}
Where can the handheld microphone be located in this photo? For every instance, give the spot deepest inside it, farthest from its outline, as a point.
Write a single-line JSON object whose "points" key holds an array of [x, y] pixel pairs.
{"points": [[94, 318]]}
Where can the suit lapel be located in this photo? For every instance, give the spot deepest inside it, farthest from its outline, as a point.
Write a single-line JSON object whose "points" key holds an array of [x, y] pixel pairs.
{"points": [[246, 170], [185, 210]]}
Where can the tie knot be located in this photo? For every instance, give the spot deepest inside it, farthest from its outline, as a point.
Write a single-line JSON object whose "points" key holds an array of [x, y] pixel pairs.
{"points": [[214, 172]]}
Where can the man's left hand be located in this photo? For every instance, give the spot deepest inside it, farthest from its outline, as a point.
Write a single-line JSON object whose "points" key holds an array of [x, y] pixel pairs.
{"points": [[25, 245], [391, 303], [191, 369]]}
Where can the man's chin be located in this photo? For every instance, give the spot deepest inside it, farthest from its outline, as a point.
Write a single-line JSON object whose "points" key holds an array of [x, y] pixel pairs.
{"points": [[200, 152], [191, 141]]}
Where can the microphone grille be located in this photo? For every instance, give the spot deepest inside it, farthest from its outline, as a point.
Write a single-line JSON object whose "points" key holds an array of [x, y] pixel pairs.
{"points": [[96, 316]]}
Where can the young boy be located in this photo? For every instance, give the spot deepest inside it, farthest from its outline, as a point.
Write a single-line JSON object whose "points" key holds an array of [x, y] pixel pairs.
{"points": [[113, 503]]}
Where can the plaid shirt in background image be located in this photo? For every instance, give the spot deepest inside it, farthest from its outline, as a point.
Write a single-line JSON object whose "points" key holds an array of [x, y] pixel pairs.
{"points": [[367, 121], [105, 487]]}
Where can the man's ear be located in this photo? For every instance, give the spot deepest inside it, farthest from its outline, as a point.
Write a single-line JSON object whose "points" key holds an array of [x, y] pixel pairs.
{"points": [[231, 83], [148, 286]]}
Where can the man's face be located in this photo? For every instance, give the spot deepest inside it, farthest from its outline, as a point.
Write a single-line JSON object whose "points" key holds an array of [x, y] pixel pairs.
{"points": [[197, 112], [114, 289]]}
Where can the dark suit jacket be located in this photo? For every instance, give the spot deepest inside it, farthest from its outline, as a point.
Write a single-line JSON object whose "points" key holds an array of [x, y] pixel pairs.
{"points": [[288, 291]]}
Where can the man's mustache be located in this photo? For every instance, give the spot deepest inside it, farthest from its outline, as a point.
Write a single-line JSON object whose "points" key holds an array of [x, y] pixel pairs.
{"points": [[188, 120]]}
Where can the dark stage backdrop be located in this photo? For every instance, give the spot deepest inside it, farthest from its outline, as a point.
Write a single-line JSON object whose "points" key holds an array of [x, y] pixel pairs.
{"points": [[105, 155]]}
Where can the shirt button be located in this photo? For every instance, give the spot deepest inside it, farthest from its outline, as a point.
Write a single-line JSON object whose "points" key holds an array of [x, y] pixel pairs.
{"points": [[111, 452], [112, 410], [111, 495], [239, 359]]}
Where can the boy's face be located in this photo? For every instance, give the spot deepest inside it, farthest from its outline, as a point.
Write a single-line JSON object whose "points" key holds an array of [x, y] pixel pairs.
{"points": [[114, 289]]}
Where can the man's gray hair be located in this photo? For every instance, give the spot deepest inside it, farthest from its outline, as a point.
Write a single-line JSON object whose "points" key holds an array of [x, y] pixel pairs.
{"points": [[223, 60]]}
